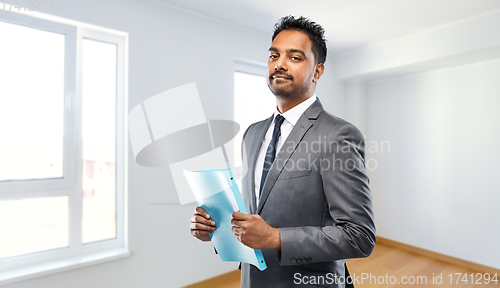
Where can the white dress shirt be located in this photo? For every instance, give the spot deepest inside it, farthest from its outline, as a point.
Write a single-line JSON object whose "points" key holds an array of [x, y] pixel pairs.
{"points": [[291, 117]]}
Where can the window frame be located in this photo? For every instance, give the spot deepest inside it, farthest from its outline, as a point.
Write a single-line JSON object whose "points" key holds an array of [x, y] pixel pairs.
{"points": [[69, 137], [250, 67], [77, 254]]}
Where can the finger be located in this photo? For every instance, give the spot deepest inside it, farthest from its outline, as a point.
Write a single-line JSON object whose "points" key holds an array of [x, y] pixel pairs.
{"points": [[202, 212], [236, 230], [199, 219], [237, 223], [240, 216], [197, 233], [199, 226], [238, 237]]}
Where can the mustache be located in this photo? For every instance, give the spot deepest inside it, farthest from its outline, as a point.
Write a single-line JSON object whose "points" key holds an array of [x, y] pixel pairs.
{"points": [[280, 74]]}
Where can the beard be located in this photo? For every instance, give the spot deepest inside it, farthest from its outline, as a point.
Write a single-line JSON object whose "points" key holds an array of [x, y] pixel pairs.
{"points": [[287, 90]]}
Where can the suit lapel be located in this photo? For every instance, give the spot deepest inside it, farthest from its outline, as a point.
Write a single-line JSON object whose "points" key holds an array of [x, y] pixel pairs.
{"points": [[298, 132], [257, 140]]}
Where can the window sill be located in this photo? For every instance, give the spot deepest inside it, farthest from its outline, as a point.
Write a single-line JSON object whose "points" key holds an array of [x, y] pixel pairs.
{"points": [[25, 273]]}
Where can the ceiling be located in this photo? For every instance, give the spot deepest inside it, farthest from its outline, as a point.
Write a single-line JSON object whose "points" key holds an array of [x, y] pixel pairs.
{"points": [[349, 24]]}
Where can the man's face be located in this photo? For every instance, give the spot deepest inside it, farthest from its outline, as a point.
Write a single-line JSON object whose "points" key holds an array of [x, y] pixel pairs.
{"points": [[291, 65]]}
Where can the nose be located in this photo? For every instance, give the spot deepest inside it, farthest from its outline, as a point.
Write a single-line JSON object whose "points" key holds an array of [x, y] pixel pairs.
{"points": [[280, 64]]}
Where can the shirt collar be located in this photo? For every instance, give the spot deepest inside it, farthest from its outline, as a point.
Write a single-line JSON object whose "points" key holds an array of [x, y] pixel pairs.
{"points": [[293, 115]]}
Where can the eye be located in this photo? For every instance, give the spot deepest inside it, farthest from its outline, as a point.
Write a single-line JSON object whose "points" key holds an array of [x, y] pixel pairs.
{"points": [[295, 58], [273, 57]]}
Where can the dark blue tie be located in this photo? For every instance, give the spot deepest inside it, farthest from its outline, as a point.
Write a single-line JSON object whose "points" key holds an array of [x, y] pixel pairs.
{"points": [[271, 149]]}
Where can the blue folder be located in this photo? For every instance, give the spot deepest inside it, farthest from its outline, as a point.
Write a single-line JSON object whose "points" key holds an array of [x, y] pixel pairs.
{"points": [[216, 191]]}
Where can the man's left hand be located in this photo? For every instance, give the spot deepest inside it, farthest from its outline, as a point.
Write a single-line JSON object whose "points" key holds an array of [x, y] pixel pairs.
{"points": [[254, 232]]}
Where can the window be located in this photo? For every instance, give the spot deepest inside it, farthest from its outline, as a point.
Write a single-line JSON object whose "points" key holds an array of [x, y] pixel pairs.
{"points": [[99, 140], [62, 145], [253, 102]]}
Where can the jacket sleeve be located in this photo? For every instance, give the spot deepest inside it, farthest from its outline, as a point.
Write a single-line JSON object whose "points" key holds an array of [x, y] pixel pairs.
{"points": [[351, 234]]}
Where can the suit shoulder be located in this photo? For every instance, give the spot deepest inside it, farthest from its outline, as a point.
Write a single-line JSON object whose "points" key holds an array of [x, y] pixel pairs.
{"points": [[338, 126], [255, 125]]}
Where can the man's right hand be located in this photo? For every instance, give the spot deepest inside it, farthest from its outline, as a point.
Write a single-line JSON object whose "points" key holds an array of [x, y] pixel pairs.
{"points": [[201, 225]]}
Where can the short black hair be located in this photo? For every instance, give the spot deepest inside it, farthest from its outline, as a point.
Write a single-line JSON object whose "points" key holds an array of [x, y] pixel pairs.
{"points": [[315, 32]]}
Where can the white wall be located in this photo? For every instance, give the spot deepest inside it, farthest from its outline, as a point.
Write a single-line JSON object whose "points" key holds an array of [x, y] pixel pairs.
{"points": [[464, 42], [437, 187], [428, 107], [330, 91]]}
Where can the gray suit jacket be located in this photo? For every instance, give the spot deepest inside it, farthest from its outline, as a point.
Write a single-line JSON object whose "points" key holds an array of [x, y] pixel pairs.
{"points": [[316, 193]]}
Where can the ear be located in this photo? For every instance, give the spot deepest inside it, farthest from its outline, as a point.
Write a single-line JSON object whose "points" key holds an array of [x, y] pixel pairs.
{"points": [[318, 71]]}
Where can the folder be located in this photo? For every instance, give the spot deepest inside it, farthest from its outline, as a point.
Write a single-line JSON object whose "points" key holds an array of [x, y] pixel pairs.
{"points": [[216, 191]]}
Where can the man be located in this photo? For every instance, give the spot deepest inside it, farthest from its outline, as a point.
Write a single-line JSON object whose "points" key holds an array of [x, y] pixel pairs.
{"points": [[310, 206]]}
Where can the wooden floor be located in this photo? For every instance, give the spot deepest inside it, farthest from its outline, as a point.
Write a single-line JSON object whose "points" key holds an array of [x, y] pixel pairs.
{"points": [[407, 266], [403, 266]]}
